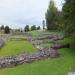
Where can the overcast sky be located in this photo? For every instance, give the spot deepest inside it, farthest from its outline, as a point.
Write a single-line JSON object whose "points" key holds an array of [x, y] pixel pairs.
{"points": [[18, 13]]}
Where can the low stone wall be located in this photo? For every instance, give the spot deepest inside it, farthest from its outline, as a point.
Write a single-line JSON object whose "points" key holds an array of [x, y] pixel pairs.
{"points": [[60, 45], [27, 58], [22, 33], [42, 53], [3, 39], [2, 43], [48, 37], [18, 39]]}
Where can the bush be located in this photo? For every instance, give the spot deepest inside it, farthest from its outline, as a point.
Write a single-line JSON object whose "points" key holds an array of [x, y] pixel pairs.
{"points": [[33, 27], [7, 30], [26, 29]]}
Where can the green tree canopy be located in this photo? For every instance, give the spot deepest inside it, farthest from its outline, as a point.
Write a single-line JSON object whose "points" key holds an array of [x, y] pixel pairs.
{"points": [[43, 22], [33, 27], [68, 17], [2, 27], [7, 30], [38, 28], [52, 16], [26, 29]]}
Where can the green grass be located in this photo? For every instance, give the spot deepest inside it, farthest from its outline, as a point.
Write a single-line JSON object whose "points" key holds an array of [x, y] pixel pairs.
{"points": [[47, 44], [59, 66], [36, 32], [16, 47], [36, 40], [19, 36], [71, 41]]}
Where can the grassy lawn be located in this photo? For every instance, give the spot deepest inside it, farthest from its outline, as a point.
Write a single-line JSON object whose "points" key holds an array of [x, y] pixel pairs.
{"points": [[58, 66], [37, 41], [36, 32], [19, 36], [71, 41], [47, 44], [16, 47]]}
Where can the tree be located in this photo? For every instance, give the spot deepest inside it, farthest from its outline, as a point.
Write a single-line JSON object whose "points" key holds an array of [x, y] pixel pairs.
{"points": [[52, 17], [43, 22], [7, 30], [33, 27], [2, 27], [26, 29], [68, 17], [17, 30], [38, 28]]}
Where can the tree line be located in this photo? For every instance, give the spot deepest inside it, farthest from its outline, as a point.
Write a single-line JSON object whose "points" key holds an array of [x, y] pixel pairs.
{"points": [[7, 29], [63, 20], [27, 28]]}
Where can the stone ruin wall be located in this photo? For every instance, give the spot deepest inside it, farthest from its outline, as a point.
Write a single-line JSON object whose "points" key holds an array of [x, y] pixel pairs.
{"points": [[7, 37], [4, 38], [42, 53], [22, 33]]}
